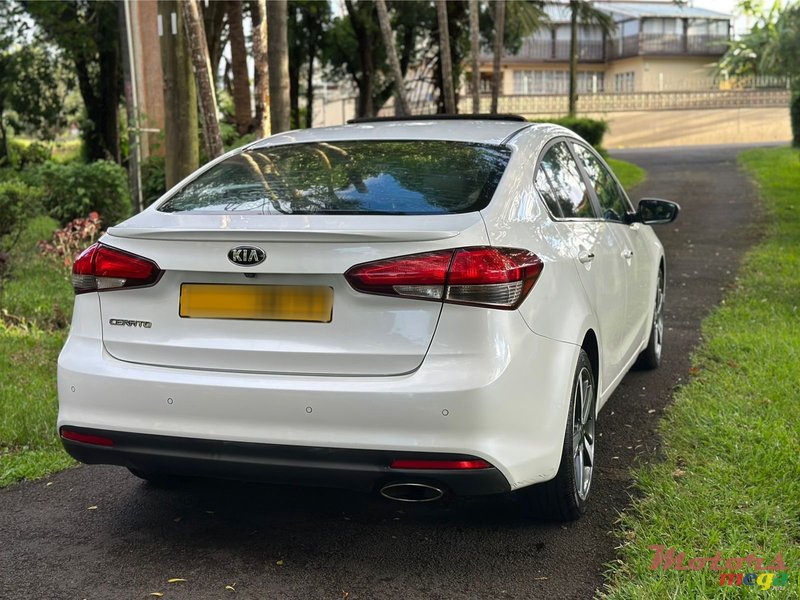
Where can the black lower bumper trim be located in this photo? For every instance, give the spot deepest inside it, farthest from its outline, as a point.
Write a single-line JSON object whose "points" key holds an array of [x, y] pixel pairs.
{"points": [[363, 470]]}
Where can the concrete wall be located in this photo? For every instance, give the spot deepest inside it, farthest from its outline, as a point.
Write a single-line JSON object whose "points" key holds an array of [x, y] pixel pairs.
{"points": [[657, 74], [693, 127]]}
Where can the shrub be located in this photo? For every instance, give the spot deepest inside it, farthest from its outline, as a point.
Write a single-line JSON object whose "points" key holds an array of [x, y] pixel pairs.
{"points": [[74, 190], [592, 130], [34, 153], [154, 179], [19, 203], [69, 241], [794, 110]]}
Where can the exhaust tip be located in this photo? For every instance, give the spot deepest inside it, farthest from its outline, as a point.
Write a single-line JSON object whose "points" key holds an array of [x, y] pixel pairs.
{"points": [[412, 492]]}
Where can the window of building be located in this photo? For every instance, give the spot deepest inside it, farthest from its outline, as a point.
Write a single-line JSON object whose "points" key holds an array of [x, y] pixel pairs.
{"points": [[557, 82], [625, 83], [662, 26]]}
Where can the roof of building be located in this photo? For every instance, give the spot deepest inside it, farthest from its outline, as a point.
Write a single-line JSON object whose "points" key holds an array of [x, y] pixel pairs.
{"points": [[560, 13], [638, 10]]}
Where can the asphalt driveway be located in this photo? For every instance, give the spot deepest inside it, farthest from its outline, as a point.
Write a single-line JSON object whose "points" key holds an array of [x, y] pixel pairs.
{"points": [[98, 532]]}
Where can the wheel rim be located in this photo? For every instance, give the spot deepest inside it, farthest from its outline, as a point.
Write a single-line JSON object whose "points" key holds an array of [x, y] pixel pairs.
{"points": [[583, 426], [658, 317]]}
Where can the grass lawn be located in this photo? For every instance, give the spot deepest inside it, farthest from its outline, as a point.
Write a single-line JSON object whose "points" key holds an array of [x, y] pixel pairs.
{"points": [[37, 304], [730, 479], [629, 175]]}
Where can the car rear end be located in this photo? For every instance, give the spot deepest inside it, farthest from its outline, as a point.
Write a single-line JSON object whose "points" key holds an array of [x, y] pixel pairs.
{"points": [[325, 312]]}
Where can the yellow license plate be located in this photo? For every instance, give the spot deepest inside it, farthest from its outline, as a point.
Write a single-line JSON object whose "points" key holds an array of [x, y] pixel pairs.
{"points": [[257, 302]]}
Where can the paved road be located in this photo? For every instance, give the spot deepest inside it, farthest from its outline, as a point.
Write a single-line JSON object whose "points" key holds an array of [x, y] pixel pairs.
{"points": [[97, 532]]}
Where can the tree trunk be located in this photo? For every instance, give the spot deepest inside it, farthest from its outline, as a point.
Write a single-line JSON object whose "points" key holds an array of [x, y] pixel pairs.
{"points": [[261, 76], [573, 58], [499, 33], [474, 52], [401, 102], [182, 156], [241, 77], [365, 106], [132, 111], [278, 56], [445, 58], [214, 26], [312, 54], [203, 78]]}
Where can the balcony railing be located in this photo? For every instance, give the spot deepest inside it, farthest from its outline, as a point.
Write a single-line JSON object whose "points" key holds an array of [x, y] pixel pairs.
{"points": [[658, 43], [538, 50]]}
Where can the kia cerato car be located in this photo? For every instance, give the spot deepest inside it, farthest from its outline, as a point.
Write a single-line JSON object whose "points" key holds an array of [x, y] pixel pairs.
{"points": [[413, 307]]}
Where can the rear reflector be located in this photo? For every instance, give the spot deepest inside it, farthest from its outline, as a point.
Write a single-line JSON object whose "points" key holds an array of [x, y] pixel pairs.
{"points": [[85, 438], [100, 268], [441, 464], [480, 276]]}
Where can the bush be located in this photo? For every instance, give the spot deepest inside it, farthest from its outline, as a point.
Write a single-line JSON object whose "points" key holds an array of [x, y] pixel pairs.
{"points": [[154, 179], [74, 190], [34, 153], [70, 241], [19, 203], [794, 110], [592, 130]]}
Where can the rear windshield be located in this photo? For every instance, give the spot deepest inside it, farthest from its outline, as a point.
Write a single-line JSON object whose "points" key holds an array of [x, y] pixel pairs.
{"points": [[356, 177]]}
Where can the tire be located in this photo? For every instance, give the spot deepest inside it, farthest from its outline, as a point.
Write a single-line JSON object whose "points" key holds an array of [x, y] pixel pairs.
{"points": [[564, 497], [650, 357]]}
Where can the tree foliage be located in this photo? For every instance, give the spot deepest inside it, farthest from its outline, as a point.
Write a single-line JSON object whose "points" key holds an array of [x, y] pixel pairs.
{"points": [[32, 83], [87, 32]]}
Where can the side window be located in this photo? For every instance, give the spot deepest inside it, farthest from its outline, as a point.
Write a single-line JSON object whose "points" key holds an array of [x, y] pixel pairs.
{"points": [[610, 197], [560, 184]]}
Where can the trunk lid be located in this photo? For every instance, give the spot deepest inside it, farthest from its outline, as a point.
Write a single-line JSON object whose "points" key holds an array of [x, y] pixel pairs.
{"points": [[366, 335]]}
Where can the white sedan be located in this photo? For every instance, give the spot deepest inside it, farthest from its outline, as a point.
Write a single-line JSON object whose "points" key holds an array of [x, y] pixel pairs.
{"points": [[416, 307]]}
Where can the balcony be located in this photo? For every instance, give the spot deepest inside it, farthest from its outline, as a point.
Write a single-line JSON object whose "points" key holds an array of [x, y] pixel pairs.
{"points": [[667, 44], [538, 50]]}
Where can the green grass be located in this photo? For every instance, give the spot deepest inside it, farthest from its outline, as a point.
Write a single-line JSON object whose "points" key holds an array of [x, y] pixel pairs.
{"points": [[629, 174], [37, 304], [37, 289], [730, 477]]}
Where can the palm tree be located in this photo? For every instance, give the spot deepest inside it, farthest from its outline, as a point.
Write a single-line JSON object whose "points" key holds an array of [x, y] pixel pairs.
{"points": [[446, 60], [401, 102], [582, 11], [261, 75], [278, 58], [474, 53], [499, 36], [203, 78]]}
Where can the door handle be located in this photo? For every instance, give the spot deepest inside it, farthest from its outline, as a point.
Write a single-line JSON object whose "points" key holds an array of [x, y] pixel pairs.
{"points": [[586, 257], [627, 253]]}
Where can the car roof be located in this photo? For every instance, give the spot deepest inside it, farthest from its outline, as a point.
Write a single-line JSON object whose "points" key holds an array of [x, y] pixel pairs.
{"points": [[476, 131]]}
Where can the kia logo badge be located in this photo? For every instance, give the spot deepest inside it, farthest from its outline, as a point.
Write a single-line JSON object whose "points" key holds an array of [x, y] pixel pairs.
{"points": [[247, 256]]}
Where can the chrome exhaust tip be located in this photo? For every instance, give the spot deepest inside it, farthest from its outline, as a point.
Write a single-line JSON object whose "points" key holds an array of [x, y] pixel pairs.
{"points": [[411, 492]]}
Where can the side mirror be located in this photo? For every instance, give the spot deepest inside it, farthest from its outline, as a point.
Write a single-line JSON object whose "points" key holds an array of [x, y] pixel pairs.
{"points": [[653, 211]]}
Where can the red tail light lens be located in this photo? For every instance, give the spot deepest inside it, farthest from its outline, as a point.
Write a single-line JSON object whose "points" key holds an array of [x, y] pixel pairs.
{"points": [[416, 275], [440, 464], [85, 438], [481, 276], [100, 268]]}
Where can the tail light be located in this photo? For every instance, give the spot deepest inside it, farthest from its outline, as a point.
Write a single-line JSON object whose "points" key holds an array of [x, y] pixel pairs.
{"points": [[481, 276], [100, 268], [425, 464]]}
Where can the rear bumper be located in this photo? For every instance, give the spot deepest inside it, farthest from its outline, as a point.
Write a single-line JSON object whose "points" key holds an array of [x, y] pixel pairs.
{"points": [[489, 388], [361, 470]]}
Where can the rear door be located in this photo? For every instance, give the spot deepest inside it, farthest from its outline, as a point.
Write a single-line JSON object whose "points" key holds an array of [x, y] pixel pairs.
{"points": [[595, 248], [311, 213]]}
